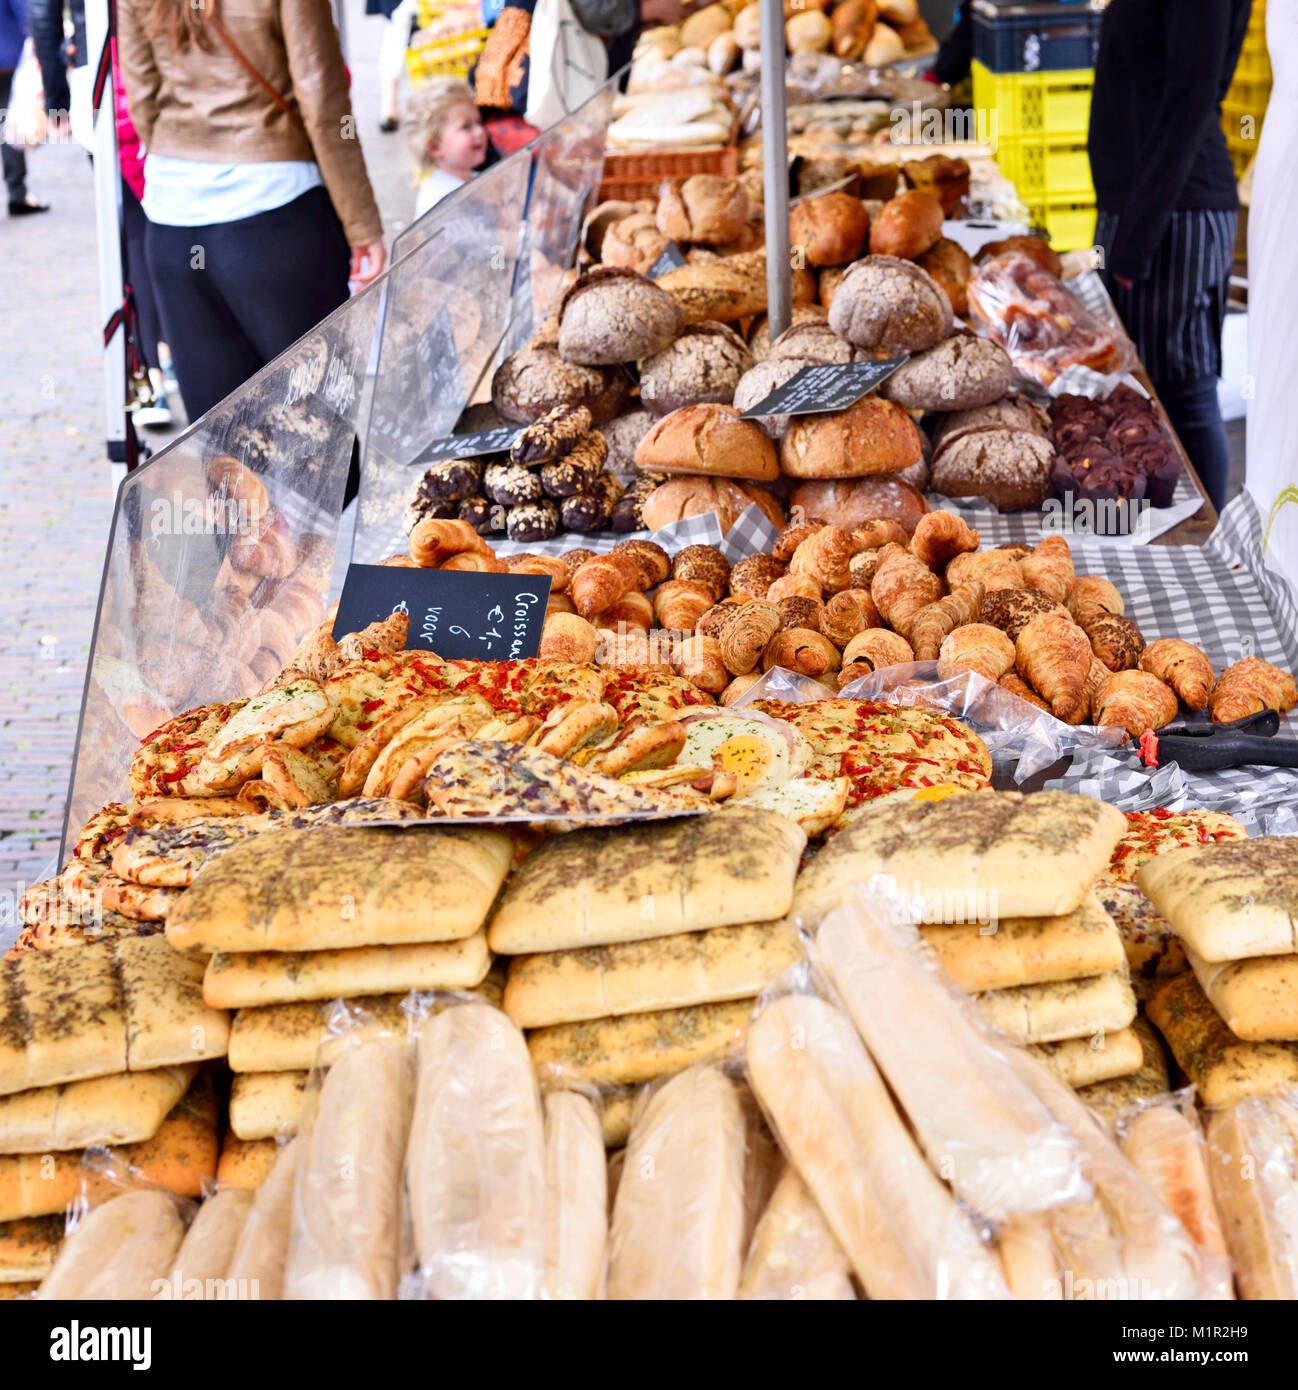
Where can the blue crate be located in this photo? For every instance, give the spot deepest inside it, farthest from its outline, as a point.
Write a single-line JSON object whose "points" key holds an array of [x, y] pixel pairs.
{"points": [[1010, 36]]}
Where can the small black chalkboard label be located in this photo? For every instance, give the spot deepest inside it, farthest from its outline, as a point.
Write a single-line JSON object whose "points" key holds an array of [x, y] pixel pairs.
{"points": [[672, 258], [816, 390], [457, 614], [467, 446]]}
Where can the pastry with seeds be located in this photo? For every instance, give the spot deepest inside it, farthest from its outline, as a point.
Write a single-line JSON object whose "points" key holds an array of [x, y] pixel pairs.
{"points": [[551, 437], [533, 521], [511, 484], [577, 469]]}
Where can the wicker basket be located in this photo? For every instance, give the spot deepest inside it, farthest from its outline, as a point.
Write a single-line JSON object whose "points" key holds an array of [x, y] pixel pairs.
{"points": [[633, 176]]}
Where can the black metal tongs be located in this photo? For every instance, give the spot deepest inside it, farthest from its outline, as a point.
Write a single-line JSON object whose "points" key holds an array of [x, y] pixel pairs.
{"points": [[1207, 747]]}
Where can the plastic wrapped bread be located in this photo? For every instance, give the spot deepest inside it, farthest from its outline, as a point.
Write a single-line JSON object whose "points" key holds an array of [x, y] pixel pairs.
{"points": [[1124, 1242], [897, 1223], [793, 1254], [347, 1206], [122, 1250], [1167, 1147], [678, 1219], [1253, 1162], [209, 1245], [576, 1197], [989, 1135], [261, 1253], [475, 1163]]}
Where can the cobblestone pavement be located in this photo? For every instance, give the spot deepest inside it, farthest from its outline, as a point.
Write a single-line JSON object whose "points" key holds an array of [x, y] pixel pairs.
{"points": [[55, 484]]}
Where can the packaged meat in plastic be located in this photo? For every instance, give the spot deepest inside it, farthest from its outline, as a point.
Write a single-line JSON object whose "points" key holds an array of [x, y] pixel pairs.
{"points": [[348, 1203], [678, 1218], [576, 1202], [261, 1253], [1043, 327], [123, 1249], [1253, 1162], [902, 1230], [793, 1254], [981, 1127], [475, 1162], [208, 1248], [1164, 1141]]}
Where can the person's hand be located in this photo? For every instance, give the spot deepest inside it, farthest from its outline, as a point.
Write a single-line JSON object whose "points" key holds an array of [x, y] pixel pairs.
{"points": [[372, 257]]}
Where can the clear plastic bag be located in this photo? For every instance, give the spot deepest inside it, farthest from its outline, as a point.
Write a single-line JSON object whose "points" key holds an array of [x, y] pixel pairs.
{"points": [[1044, 328], [793, 1254], [123, 1249], [576, 1196]]}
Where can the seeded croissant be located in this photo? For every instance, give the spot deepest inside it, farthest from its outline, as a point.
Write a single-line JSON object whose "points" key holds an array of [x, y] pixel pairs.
{"points": [[901, 586], [936, 621], [1183, 666], [746, 636], [1053, 655], [976, 647], [1115, 640], [1248, 687], [1135, 701]]}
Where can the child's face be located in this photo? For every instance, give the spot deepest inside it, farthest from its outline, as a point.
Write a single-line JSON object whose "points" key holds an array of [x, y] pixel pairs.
{"points": [[463, 141]]}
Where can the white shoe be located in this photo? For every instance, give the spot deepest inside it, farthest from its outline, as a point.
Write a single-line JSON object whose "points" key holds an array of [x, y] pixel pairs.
{"points": [[152, 417]]}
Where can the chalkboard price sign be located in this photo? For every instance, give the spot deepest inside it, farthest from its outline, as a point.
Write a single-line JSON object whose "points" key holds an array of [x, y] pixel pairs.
{"points": [[457, 614], [672, 258], [467, 446], [818, 390]]}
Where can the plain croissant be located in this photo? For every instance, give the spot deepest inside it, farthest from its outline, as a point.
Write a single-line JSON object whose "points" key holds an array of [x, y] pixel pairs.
{"points": [[1248, 687], [1135, 701], [746, 636], [976, 647], [1053, 655], [901, 586], [940, 537], [876, 648], [1095, 589], [1049, 568], [846, 614], [1183, 666], [826, 557], [936, 621], [801, 650]]}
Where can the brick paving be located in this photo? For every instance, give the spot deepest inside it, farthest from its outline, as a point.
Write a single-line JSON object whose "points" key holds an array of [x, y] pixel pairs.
{"points": [[55, 483]]}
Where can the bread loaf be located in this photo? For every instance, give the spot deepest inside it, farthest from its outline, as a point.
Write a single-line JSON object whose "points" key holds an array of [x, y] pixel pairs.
{"points": [[261, 1252], [266, 1104], [1064, 1009], [793, 1254], [831, 229], [1085, 1061], [475, 1165], [898, 1225], [890, 305], [859, 501], [873, 436], [209, 1245], [121, 1109], [708, 439], [906, 226], [576, 1206], [703, 208], [729, 289], [1257, 998], [288, 1037], [686, 497], [121, 1250], [677, 1228], [347, 1210]]}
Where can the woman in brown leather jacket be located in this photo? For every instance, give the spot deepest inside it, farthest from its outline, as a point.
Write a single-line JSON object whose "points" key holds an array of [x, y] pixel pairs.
{"points": [[255, 185]]}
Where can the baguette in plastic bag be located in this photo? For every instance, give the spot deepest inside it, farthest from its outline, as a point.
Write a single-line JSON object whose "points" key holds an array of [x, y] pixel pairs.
{"points": [[793, 1254], [576, 1204], [208, 1247], [261, 1253], [121, 1250]]}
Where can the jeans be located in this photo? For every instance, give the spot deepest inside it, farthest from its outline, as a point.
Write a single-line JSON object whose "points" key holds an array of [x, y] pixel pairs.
{"points": [[234, 295], [1196, 416], [15, 162]]}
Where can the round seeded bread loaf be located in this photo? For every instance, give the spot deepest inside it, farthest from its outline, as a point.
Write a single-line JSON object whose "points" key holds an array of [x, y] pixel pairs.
{"points": [[535, 379], [961, 372], [704, 364], [1011, 412], [1010, 468], [613, 315], [890, 304]]}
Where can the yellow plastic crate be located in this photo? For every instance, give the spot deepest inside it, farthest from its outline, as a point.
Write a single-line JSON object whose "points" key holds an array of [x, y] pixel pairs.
{"points": [[1047, 170], [451, 57], [1035, 103], [1071, 225]]}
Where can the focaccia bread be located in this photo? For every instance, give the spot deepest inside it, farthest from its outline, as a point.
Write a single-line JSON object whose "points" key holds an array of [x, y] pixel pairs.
{"points": [[1085, 1061], [170, 855], [599, 887], [257, 978], [114, 1006], [1150, 833], [1065, 1009], [28, 1247], [640, 1047], [180, 1158], [1229, 901], [335, 887], [670, 972], [267, 1104], [1110, 1098], [122, 1109], [1028, 950], [1224, 1068], [1257, 998], [969, 858], [1154, 951]]}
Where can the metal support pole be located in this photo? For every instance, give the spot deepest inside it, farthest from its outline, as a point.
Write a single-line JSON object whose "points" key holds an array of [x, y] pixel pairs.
{"points": [[775, 159]]}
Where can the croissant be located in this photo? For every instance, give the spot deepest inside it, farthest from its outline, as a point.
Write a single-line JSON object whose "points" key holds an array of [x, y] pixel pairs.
{"points": [[633, 609], [737, 687], [801, 650], [1012, 682], [858, 670], [698, 660], [1095, 589], [1135, 701], [1053, 655], [1114, 639], [994, 568], [718, 616], [976, 647], [791, 538], [846, 614], [936, 621], [746, 635], [754, 575], [901, 586], [794, 586], [599, 582], [1183, 666], [826, 557], [634, 650], [874, 535], [680, 603], [474, 561], [655, 564], [566, 637], [550, 565], [435, 539], [1249, 687], [876, 648], [800, 612], [1096, 677], [940, 537], [861, 570], [1049, 568]]}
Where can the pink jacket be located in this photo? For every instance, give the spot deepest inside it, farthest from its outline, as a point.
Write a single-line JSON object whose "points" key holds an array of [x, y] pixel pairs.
{"points": [[130, 153]]}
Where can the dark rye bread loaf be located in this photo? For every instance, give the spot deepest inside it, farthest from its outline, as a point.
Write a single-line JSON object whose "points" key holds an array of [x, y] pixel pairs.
{"points": [[1010, 468], [703, 365], [891, 305], [614, 315], [535, 380], [962, 372]]}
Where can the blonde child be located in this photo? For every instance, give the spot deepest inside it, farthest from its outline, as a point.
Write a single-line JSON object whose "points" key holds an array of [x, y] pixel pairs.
{"points": [[447, 138]]}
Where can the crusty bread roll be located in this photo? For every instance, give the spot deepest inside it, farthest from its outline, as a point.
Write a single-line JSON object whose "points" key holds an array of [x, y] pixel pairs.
{"points": [[831, 229], [703, 208], [729, 289], [121, 1250], [708, 439], [872, 436], [245, 1164], [576, 1191], [685, 497], [855, 502]]}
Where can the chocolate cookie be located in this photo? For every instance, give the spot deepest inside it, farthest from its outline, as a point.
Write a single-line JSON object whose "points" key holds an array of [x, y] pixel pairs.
{"points": [[533, 521], [483, 515], [576, 471], [510, 484], [551, 437]]}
